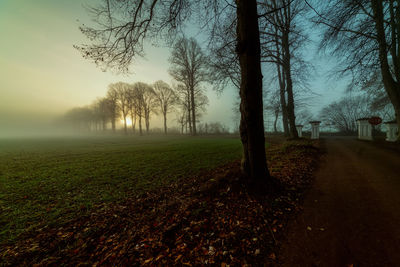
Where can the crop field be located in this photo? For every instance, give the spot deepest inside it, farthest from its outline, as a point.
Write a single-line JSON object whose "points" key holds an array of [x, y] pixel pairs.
{"points": [[48, 181]]}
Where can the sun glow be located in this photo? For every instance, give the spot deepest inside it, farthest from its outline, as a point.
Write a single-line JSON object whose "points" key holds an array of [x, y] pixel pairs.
{"points": [[128, 121]]}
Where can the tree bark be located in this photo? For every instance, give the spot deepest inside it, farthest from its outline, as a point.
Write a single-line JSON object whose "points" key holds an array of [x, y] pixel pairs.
{"points": [[254, 164], [165, 123], [125, 126], [189, 113], [193, 110], [133, 119], [147, 124], [140, 125], [289, 85], [392, 87], [282, 90]]}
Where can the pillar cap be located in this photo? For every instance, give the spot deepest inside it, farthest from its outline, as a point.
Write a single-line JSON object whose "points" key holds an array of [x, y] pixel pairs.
{"points": [[391, 122]]}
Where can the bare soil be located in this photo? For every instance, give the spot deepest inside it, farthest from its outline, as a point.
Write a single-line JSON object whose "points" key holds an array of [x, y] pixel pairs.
{"points": [[351, 214]]}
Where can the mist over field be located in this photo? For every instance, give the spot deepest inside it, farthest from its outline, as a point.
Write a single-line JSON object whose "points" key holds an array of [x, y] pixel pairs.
{"points": [[25, 125], [43, 75]]}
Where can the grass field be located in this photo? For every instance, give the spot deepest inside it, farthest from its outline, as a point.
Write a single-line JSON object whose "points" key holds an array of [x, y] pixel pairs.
{"points": [[48, 181]]}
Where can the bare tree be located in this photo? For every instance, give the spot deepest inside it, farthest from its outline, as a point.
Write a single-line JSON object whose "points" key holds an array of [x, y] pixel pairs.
{"points": [[96, 120], [184, 101], [166, 98], [133, 105], [181, 118], [80, 118], [282, 40], [149, 104], [140, 88], [102, 108], [366, 34], [344, 113], [281, 43], [145, 104], [274, 105], [123, 26], [121, 91], [201, 102], [189, 67], [224, 62], [303, 116], [112, 98]]}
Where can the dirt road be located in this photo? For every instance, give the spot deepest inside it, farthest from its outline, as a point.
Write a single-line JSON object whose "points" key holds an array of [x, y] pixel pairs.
{"points": [[352, 213]]}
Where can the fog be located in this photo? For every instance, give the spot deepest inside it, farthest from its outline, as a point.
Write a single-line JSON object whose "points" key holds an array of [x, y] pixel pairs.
{"points": [[43, 76]]}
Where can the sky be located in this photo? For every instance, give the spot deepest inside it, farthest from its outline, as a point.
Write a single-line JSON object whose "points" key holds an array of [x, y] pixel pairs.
{"points": [[42, 75]]}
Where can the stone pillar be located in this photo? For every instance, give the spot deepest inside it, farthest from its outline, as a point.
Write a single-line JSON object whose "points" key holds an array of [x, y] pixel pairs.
{"points": [[392, 130], [315, 129], [364, 129], [299, 129]]}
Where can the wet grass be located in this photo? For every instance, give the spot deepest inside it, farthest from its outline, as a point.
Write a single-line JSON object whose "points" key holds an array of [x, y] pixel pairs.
{"points": [[48, 181]]}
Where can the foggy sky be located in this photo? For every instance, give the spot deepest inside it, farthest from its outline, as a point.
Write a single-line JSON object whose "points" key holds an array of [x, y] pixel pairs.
{"points": [[42, 75]]}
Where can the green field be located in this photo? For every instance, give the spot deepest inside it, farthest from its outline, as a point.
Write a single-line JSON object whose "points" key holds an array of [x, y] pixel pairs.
{"points": [[48, 181]]}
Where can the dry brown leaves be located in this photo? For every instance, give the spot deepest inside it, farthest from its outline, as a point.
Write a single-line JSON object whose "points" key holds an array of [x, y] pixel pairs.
{"points": [[209, 219]]}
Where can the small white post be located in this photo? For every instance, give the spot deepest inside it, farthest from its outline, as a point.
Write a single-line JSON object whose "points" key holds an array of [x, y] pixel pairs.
{"points": [[364, 129], [299, 129], [315, 129], [392, 131]]}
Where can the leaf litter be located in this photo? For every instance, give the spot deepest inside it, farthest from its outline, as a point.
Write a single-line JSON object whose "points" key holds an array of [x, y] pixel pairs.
{"points": [[210, 219]]}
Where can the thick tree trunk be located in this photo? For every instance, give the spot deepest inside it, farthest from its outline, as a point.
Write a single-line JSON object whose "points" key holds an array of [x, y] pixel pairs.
{"points": [[140, 125], [289, 86], [282, 88], [254, 163], [133, 120], [290, 113], [186, 128], [165, 123], [189, 114], [147, 124], [193, 111], [392, 87], [125, 126], [147, 119]]}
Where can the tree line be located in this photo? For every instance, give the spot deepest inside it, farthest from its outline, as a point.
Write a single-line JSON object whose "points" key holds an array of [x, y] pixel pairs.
{"points": [[342, 114], [139, 101]]}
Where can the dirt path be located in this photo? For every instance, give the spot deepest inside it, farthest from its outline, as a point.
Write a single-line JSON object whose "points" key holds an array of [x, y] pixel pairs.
{"points": [[352, 213]]}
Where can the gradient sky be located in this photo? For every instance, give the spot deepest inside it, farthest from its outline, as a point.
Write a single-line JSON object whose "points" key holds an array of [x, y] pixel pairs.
{"points": [[42, 75]]}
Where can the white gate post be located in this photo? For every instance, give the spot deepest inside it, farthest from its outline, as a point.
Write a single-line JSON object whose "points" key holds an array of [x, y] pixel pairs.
{"points": [[364, 129], [392, 130], [315, 129], [299, 129]]}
